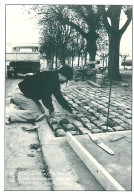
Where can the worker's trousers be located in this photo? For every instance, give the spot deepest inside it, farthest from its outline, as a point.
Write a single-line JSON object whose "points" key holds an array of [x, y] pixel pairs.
{"points": [[22, 109]]}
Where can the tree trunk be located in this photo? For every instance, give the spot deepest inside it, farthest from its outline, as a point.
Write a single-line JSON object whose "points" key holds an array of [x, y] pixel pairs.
{"points": [[72, 56], [91, 45], [85, 58], [113, 64], [52, 63], [63, 56], [56, 55], [72, 62], [78, 60]]}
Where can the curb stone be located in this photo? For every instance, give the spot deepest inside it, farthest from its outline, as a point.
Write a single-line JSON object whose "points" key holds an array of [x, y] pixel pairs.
{"points": [[62, 177]]}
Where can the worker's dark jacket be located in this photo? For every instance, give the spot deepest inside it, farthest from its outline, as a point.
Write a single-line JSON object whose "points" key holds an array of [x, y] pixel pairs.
{"points": [[41, 86]]}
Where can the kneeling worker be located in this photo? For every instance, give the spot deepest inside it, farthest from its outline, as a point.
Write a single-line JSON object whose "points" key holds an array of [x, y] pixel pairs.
{"points": [[37, 87]]}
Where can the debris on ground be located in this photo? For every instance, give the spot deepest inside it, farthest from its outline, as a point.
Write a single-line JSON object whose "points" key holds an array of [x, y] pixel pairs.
{"points": [[30, 128]]}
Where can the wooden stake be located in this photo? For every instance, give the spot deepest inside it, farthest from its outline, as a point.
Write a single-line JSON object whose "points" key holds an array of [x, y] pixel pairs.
{"points": [[104, 178]]}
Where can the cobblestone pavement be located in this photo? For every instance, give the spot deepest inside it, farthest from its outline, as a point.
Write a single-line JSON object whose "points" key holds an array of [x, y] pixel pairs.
{"points": [[91, 106]]}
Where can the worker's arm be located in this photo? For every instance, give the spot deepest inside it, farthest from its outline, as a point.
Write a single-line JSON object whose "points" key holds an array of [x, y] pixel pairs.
{"points": [[40, 106], [47, 102], [61, 100]]}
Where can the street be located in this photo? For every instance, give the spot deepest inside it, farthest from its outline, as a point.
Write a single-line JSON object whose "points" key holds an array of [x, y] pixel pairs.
{"points": [[28, 163]]}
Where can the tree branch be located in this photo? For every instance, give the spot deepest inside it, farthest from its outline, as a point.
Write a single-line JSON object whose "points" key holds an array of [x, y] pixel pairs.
{"points": [[74, 26], [101, 9], [123, 29], [78, 9]]}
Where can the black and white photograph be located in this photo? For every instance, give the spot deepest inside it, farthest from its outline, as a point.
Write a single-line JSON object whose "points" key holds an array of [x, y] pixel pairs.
{"points": [[68, 96]]}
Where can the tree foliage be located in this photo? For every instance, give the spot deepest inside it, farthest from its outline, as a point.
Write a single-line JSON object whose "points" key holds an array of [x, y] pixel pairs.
{"points": [[78, 29]]}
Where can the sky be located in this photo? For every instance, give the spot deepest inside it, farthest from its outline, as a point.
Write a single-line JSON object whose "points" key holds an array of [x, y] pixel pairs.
{"points": [[20, 28]]}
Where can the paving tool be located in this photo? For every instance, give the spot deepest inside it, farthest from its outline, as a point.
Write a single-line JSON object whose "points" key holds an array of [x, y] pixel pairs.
{"points": [[117, 138], [30, 128], [100, 144], [40, 117]]}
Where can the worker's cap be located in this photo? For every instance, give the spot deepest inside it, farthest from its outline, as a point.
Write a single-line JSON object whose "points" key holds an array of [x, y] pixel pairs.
{"points": [[66, 71]]}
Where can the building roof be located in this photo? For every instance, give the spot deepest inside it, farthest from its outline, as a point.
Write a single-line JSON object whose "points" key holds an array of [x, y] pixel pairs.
{"points": [[25, 46]]}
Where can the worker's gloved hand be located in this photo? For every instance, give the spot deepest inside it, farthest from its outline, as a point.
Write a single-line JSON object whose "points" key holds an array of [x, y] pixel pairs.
{"points": [[52, 114], [74, 112]]}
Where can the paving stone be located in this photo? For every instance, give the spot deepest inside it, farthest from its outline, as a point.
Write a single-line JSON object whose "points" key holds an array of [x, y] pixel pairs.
{"points": [[115, 114], [64, 121], [120, 112], [111, 123], [91, 118], [79, 115], [118, 121], [69, 127], [128, 116], [86, 107], [70, 102], [118, 128], [110, 129], [90, 126], [104, 128], [98, 123], [121, 117], [60, 133], [96, 131], [75, 105], [66, 97], [103, 119], [103, 111], [55, 127], [77, 124], [129, 111], [129, 121], [114, 109], [92, 112], [126, 126], [84, 120], [98, 115], [83, 130], [77, 101], [52, 120], [75, 132], [94, 103], [124, 119], [100, 106]]}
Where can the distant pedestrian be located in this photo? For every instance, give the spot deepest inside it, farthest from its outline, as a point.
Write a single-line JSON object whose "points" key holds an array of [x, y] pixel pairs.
{"points": [[25, 105]]}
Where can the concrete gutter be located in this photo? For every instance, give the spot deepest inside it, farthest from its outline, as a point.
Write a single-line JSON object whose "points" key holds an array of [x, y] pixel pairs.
{"points": [[59, 169]]}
